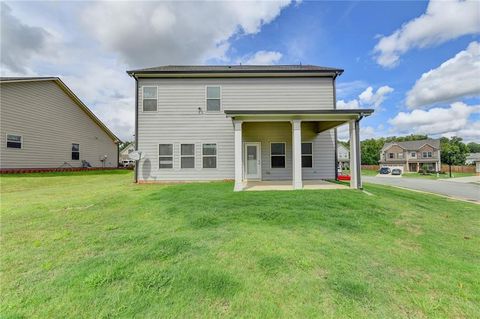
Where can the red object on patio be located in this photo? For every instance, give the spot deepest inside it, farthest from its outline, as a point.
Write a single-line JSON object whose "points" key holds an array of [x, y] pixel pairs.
{"points": [[343, 177]]}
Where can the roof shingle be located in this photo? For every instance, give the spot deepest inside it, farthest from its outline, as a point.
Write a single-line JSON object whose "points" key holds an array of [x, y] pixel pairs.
{"points": [[235, 69]]}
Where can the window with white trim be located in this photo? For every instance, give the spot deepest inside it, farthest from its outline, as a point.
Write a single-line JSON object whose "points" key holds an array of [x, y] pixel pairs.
{"points": [[413, 154], [14, 141], [426, 154], [165, 156], [213, 99], [400, 155], [75, 152], [277, 155], [187, 155], [429, 154], [209, 155], [391, 155], [149, 98], [307, 155]]}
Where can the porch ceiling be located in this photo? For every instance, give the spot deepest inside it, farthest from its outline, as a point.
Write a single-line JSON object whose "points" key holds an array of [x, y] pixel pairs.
{"points": [[329, 118]]}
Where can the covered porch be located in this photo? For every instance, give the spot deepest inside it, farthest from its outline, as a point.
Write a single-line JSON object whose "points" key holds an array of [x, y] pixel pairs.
{"points": [[292, 149]]}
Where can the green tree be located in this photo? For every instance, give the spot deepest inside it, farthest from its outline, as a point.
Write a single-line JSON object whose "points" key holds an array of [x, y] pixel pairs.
{"points": [[473, 147], [453, 152], [371, 150]]}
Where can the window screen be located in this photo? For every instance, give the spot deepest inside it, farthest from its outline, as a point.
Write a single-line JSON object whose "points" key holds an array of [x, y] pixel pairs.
{"points": [[277, 155], [165, 156]]}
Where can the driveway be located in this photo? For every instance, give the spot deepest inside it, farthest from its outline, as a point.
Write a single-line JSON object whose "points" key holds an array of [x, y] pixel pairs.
{"points": [[465, 191]]}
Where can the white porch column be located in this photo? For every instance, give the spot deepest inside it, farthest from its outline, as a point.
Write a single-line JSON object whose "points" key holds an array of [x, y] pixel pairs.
{"points": [[297, 154], [237, 126], [355, 165]]}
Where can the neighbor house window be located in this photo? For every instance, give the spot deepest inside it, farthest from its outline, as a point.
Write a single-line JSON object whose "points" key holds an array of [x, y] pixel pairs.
{"points": [[213, 98], [165, 155], [14, 141], [391, 155], [277, 155], [149, 98], [187, 155], [209, 153], [307, 155], [75, 152], [413, 154]]}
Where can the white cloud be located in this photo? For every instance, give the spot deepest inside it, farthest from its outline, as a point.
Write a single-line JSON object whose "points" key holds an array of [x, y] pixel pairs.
{"points": [[443, 21], [352, 104], [126, 35], [366, 132], [262, 58], [156, 33], [436, 121], [368, 98], [20, 42], [455, 78]]}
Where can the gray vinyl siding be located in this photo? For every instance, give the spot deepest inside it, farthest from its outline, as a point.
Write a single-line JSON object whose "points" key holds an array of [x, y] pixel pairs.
{"points": [[49, 122], [281, 132], [178, 120]]}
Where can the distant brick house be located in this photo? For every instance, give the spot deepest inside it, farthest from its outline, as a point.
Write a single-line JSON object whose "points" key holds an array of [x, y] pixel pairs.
{"points": [[412, 156]]}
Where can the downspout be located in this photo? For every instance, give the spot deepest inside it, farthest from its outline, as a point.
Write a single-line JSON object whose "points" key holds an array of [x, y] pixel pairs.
{"points": [[136, 126], [118, 153], [335, 131], [359, 151]]}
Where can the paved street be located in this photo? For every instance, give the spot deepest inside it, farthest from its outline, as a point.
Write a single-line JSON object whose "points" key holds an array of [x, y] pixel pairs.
{"points": [[467, 191]]}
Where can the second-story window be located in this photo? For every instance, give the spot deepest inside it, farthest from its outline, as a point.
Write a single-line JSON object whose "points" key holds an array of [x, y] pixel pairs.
{"points": [[400, 155], [149, 98], [413, 154], [213, 98], [391, 155]]}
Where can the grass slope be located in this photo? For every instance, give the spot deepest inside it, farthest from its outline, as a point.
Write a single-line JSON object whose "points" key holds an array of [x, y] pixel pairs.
{"points": [[97, 245]]}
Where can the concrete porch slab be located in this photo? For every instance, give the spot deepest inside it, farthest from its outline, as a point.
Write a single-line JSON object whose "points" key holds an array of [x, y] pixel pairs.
{"points": [[286, 185]]}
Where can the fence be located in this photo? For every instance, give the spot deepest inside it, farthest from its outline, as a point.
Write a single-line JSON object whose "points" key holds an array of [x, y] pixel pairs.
{"points": [[371, 167], [459, 169]]}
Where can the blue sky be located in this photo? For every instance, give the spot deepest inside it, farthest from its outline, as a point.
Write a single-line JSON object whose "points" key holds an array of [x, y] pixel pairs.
{"points": [[416, 63]]}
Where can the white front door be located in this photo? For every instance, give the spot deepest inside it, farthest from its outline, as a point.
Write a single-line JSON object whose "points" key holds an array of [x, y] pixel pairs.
{"points": [[252, 161]]}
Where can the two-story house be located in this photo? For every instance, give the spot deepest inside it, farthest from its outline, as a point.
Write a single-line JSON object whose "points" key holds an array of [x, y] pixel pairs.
{"points": [[247, 123], [412, 156]]}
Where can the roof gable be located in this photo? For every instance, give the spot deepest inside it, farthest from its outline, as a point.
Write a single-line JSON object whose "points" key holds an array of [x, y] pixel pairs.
{"points": [[70, 93], [413, 145]]}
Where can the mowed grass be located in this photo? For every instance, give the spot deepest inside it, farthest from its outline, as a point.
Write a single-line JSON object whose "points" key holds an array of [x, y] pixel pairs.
{"points": [[98, 246]]}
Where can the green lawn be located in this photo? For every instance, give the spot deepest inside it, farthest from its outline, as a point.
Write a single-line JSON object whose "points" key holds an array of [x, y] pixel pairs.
{"points": [[98, 246]]}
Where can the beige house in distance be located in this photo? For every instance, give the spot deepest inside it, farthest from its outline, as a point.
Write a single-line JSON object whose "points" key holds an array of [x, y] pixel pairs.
{"points": [[412, 156], [44, 125], [124, 157]]}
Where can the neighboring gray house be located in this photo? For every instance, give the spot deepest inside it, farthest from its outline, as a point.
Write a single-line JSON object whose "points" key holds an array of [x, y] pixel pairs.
{"points": [[343, 156], [247, 123], [124, 157], [412, 156], [45, 125], [472, 158]]}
